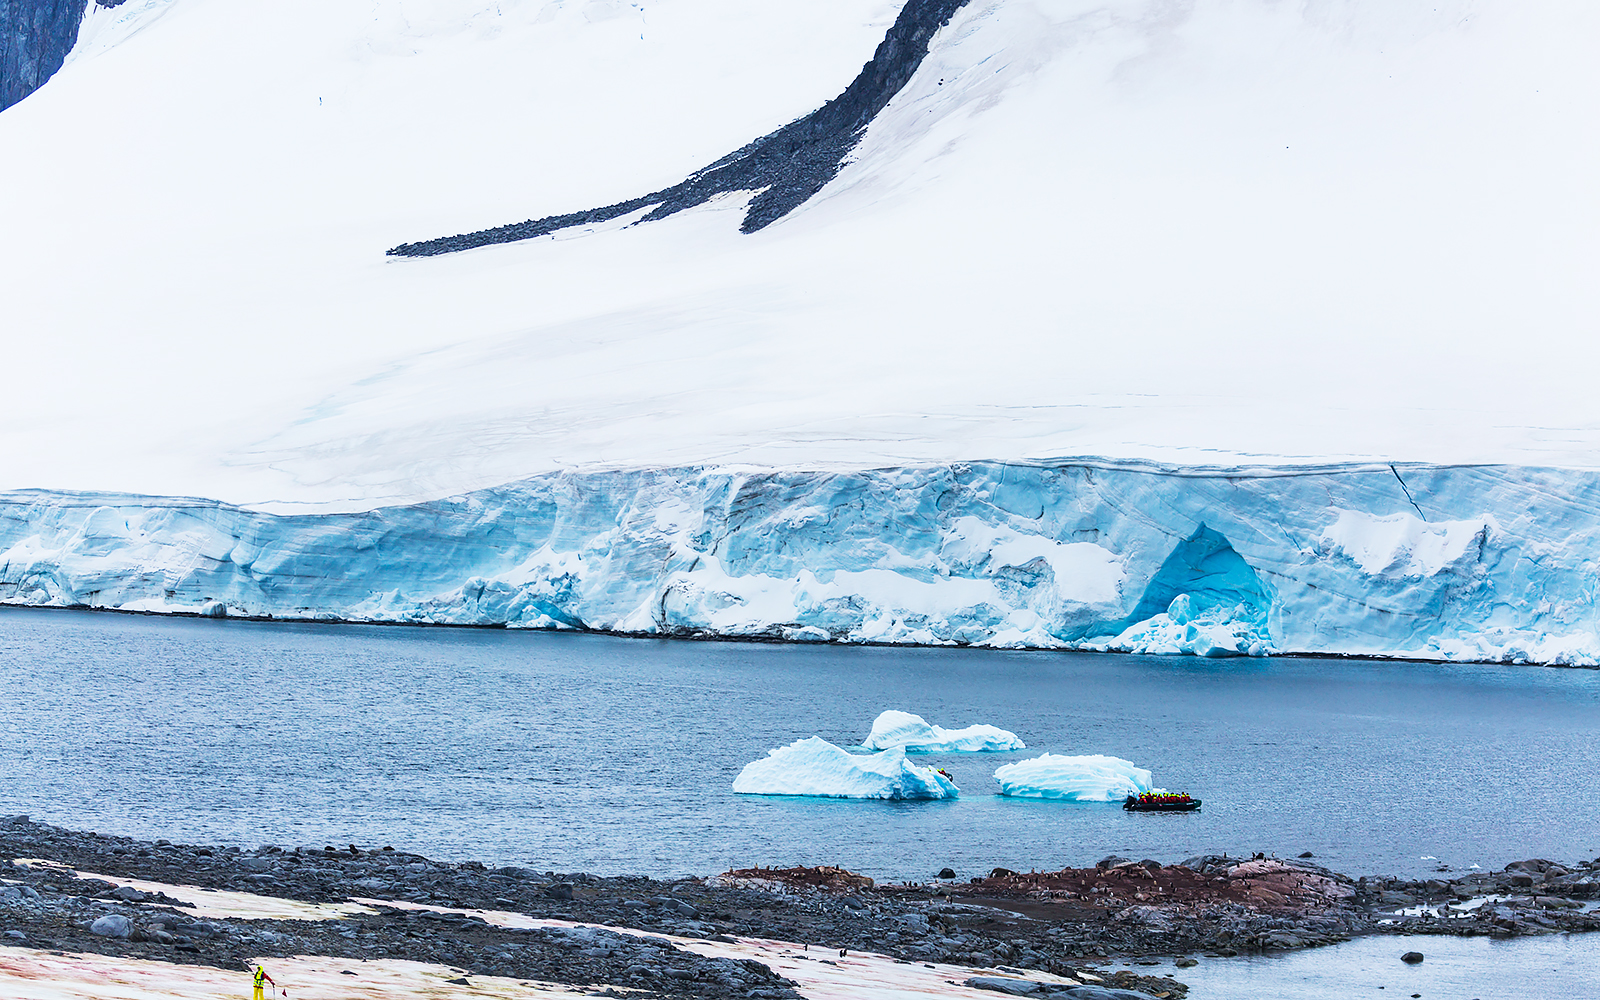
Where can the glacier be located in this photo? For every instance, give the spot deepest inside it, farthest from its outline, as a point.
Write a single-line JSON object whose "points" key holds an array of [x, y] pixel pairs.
{"points": [[1071, 556], [913, 734], [1226, 328], [813, 766], [1086, 778]]}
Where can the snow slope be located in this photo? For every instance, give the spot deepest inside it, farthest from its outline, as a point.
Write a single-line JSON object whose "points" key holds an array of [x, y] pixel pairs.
{"points": [[1232, 230]]}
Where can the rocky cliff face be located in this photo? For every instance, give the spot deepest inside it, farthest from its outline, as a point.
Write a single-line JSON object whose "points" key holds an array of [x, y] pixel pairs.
{"points": [[35, 36]]}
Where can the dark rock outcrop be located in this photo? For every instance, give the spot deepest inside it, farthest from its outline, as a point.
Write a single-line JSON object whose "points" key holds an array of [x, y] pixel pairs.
{"points": [[785, 167], [35, 37]]}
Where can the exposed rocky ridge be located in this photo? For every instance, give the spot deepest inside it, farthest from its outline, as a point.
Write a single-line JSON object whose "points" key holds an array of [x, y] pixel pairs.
{"points": [[35, 37], [783, 169], [1069, 922]]}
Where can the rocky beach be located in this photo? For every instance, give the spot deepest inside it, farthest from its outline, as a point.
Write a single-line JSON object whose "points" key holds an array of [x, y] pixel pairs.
{"points": [[1084, 933]]}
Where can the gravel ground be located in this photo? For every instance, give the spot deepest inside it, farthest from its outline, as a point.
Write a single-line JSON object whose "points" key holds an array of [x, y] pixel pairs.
{"points": [[1070, 922]]}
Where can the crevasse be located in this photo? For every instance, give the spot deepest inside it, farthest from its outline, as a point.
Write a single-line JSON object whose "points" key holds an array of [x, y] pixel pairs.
{"points": [[1491, 563]]}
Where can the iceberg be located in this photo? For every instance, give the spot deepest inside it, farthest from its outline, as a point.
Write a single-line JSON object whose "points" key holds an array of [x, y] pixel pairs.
{"points": [[913, 734], [1089, 778], [813, 766]]}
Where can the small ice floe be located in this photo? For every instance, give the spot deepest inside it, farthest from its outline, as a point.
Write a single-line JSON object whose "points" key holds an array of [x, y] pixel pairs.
{"points": [[813, 766], [1088, 778], [915, 735]]}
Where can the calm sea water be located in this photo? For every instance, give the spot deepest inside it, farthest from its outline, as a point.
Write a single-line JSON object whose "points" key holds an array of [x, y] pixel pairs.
{"points": [[571, 752], [1554, 967]]}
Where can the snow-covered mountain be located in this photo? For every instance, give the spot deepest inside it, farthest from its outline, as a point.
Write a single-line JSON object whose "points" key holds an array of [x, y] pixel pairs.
{"points": [[1188, 246]]}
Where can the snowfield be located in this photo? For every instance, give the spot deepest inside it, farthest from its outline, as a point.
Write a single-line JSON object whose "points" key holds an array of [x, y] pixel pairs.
{"points": [[1229, 328]]}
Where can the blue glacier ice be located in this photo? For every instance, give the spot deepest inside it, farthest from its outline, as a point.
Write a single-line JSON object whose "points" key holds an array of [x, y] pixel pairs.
{"points": [[913, 734], [1441, 562], [1081, 778], [813, 766]]}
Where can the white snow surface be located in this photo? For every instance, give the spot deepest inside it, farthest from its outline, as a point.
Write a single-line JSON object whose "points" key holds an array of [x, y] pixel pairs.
{"points": [[1086, 778], [913, 734], [813, 766], [1403, 545], [1217, 232]]}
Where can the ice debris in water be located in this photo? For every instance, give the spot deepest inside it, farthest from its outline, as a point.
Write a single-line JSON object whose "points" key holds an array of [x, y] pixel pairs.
{"points": [[813, 766], [1211, 632], [1088, 778], [913, 733]]}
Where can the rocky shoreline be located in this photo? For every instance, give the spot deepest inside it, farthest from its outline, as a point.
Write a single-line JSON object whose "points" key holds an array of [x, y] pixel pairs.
{"points": [[1073, 923]]}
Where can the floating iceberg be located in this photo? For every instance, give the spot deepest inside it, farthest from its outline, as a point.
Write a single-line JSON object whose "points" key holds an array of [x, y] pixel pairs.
{"points": [[813, 766], [913, 734], [1089, 778]]}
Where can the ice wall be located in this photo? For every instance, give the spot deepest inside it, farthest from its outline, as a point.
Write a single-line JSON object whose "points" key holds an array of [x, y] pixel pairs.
{"points": [[1466, 562]]}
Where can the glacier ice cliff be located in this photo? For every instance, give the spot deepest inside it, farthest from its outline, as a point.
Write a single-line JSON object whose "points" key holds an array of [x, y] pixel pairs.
{"points": [[813, 766], [913, 734], [1491, 563]]}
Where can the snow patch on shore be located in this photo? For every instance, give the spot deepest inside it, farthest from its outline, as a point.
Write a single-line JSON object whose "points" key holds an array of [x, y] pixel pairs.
{"points": [[225, 903], [26, 974]]}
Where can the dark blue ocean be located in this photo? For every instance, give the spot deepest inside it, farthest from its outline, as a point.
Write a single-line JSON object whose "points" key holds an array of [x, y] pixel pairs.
{"points": [[588, 753]]}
